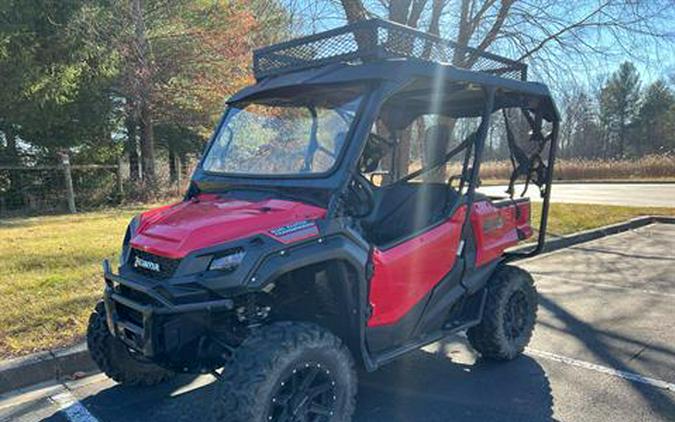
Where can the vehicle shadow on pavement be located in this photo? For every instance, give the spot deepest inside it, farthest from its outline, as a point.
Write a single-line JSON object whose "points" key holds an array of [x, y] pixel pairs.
{"points": [[428, 386], [422, 386]]}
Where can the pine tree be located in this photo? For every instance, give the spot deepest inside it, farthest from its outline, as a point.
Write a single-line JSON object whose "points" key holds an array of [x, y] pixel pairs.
{"points": [[619, 105], [654, 121]]}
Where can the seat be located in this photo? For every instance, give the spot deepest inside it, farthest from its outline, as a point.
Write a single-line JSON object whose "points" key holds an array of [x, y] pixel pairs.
{"points": [[402, 209]]}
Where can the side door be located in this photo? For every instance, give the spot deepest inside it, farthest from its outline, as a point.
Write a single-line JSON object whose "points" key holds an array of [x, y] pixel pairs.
{"points": [[404, 278]]}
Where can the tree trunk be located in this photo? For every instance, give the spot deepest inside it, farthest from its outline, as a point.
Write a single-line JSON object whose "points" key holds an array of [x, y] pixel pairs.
{"points": [[440, 175], [12, 152], [622, 135], [403, 153], [173, 167], [14, 193], [184, 164], [144, 86], [398, 10], [132, 147], [408, 12], [463, 35], [147, 145], [354, 10]]}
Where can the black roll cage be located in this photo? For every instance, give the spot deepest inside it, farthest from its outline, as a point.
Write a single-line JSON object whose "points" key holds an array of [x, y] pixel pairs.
{"points": [[475, 143], [387, 66]]}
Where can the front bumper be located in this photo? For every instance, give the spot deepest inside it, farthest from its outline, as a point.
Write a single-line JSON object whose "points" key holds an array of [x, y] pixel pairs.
{"points": [[148, 322]]}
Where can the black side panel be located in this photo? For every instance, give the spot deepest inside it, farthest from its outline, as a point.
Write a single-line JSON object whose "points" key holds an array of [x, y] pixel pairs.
{"points": [[477, 279], [388, 336], [446, 294]]}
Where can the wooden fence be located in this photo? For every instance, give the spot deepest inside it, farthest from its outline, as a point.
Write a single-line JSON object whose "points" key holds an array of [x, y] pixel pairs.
{"points": [[46, 187]]}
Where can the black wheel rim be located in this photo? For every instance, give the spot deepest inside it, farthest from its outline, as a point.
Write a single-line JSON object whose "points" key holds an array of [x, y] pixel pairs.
{"points": [[516, 315], [307, 394]]}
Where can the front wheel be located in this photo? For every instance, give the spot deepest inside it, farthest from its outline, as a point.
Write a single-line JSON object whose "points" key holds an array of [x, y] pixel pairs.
{"points": [[509, 315], [115, 359], [288, 371]]}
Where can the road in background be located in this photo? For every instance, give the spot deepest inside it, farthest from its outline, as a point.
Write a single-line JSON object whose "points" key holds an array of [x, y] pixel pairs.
{"points": [[632, 194], [603, 350]]}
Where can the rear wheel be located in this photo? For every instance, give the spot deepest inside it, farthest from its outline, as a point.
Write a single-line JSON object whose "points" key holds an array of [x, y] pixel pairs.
{"points": [[115, 359], [288, 371], [509, 315]]}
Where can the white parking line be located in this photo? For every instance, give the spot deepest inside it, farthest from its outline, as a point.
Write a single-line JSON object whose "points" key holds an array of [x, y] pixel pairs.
{"points": [[72, 408], [630, 376]]}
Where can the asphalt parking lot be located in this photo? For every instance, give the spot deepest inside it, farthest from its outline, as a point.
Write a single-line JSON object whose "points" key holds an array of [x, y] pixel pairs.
{"points": [[603, 350]]}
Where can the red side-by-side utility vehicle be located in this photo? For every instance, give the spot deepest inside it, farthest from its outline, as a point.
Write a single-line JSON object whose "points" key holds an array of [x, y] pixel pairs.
{"points": [[334, 222]]}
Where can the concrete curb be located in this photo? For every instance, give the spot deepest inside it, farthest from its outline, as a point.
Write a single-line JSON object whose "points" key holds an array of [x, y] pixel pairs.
{"points": [[62, 363], [43, 366], [561, 242]]}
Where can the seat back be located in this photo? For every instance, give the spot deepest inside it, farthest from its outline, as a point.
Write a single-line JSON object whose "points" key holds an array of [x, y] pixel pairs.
{"points": [[402, 209]]}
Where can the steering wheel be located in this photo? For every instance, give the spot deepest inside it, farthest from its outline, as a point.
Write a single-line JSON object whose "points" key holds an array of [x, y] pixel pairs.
{"points": [[362, 199]]}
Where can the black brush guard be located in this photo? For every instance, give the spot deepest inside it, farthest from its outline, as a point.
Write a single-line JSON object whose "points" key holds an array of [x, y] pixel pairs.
{"points": [[138, 319]]}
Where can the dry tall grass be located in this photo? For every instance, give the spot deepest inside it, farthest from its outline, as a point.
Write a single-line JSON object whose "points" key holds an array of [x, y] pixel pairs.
{"points": [[649, 167]]}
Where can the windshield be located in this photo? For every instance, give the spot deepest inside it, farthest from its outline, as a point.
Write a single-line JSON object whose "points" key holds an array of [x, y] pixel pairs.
{"points": [[290, 136]]}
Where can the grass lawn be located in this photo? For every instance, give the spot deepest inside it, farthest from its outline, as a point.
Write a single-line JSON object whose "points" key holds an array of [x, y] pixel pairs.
{"points": [[50, 276], [50, 272], [569, 218]]}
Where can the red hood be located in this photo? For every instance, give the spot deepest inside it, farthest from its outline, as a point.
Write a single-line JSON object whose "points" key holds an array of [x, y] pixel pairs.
{"points": [[176, 230]]}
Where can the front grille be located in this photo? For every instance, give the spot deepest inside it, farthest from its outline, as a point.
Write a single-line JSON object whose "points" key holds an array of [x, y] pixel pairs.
{"points": [[137, 296], [125, 313], [166, 266]]}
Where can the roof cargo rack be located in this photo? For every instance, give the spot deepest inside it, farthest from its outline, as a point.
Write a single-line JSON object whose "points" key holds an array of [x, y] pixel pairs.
{"points": [[374, 39]]}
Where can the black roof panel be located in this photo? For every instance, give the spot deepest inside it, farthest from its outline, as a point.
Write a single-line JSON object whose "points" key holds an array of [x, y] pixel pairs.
{"points": [[511, 93]]}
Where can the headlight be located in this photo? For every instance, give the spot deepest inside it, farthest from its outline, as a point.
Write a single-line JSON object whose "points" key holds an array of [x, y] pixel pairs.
{"points": [[228, 262]]}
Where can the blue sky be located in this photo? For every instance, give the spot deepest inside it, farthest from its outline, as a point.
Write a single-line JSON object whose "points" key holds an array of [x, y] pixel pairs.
{"points": [[652, 60]]}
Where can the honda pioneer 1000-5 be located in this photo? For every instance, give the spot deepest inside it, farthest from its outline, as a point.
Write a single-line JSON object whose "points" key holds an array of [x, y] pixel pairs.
{"points": [[321, 231]]}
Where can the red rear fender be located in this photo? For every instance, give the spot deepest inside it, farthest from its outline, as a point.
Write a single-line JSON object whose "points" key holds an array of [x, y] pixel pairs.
{"points": [[499, 226]]}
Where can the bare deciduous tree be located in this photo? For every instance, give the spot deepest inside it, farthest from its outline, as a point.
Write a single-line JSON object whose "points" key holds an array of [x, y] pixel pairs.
{"points": [[558, 39], [552, 34]]}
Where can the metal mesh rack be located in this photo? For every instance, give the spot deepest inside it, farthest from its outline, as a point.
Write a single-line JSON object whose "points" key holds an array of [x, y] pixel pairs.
{"points": [[377, 39]]}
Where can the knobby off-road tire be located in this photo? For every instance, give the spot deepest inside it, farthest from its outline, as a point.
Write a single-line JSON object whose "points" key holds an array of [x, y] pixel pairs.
{"points": [[285, 370], [509, 315], [115, 359]]}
